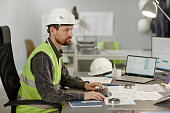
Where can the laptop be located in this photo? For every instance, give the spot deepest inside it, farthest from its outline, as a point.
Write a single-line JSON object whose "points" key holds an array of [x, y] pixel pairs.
{"points": [[139, 69]]}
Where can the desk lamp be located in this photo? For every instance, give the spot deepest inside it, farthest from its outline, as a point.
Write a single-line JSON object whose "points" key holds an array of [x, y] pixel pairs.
{"points": [[150, 9]]}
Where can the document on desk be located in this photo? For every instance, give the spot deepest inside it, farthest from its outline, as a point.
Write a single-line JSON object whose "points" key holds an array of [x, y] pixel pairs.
{"points": [[120, 89], [145, 95], [103, 80], [124, 100], [139, 88], [133, 93], [150, 88], [88, 103]]}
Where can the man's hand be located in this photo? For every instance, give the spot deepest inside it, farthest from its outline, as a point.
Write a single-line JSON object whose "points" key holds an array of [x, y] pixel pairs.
{"points": [[93, 95], [91, 86]]}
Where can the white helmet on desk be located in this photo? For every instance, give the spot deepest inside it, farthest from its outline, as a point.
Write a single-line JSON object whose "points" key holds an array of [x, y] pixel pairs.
{"points": [[60, 16], [100, 66]]}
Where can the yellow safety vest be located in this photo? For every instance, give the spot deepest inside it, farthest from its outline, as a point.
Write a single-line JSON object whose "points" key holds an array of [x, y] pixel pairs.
{"points": [[28, 90]]}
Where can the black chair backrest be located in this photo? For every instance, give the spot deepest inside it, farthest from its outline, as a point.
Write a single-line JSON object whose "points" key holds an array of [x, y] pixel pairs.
{"points": [[1, 40], [8, 72], [9, 75]]}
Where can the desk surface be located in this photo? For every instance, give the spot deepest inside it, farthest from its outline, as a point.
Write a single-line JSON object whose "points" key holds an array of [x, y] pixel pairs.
{"points": [[139, 107]]}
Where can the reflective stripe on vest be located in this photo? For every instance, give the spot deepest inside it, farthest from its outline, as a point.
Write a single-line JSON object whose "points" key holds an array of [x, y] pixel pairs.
{"points": [[28, 89], [32, 83]]}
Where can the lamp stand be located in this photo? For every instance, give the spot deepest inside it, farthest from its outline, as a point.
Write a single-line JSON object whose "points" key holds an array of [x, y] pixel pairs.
{"points": [[157, 4]]}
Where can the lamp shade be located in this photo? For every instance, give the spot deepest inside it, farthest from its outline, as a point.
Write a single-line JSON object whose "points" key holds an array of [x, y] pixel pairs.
{"points": [[150, 9], [142, 4]]}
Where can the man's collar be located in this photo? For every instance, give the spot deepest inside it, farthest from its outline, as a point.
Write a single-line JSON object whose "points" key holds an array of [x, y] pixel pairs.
{"points": [[58, 53]]}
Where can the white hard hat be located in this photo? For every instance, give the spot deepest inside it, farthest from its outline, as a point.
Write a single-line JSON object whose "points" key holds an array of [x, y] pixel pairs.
{"points": [[142, 3], [60, 16], [144, 25], [100, 66]]}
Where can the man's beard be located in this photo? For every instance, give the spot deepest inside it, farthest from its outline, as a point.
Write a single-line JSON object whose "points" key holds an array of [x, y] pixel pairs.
{"points": [[66, 42]]}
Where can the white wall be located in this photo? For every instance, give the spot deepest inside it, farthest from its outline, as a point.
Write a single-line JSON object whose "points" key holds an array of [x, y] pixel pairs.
{"points": [[24, 19]]}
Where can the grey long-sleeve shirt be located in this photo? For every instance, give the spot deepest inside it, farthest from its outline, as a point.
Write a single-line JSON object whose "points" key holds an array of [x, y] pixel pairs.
{"points": [[41, 67]]}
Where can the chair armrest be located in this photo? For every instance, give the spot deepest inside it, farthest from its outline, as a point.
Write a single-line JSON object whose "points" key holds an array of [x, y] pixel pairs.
{"points": [[33, 102]]}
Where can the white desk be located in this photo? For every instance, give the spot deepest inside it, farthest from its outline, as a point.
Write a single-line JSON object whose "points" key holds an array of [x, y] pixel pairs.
{"points": [[109, 54]]}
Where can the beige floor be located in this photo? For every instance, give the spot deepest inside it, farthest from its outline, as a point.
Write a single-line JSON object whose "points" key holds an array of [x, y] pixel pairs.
{"points": [[3, 100]]}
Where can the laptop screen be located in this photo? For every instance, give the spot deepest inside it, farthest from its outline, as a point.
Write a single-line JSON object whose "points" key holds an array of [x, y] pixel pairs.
{"points": [[140, 66]]}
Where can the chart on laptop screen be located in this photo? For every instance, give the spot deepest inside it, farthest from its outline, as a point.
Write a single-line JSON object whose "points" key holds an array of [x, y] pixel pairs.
{"points": [[140, 65]]}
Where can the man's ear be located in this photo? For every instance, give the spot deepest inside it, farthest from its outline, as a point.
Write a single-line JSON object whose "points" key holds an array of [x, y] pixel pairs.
{"points": [[52, 29]]}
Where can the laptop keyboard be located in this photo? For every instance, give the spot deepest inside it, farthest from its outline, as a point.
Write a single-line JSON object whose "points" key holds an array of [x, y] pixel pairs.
{"points": [[134, 79]]}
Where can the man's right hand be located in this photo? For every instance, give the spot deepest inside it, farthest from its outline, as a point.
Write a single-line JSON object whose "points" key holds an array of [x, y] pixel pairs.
{"points": [[93, 95]]}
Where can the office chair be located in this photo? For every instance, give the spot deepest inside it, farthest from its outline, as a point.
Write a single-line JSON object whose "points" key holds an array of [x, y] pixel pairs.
{"points": [[29, 46], [9, 75]]}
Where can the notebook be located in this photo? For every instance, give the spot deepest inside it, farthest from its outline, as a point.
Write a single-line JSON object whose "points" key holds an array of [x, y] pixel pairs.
{"points": [[139, 69], [88, 103]]}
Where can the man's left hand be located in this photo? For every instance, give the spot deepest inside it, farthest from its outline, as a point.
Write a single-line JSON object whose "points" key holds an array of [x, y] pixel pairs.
{"points": [[91, 86]]}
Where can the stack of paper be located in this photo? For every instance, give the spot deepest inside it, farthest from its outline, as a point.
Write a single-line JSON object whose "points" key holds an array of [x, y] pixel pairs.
{"points": [[137, 92], [124, 100]]}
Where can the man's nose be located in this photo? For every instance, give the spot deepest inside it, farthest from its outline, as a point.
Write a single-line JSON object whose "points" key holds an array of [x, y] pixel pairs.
{"points": [[70, 33]]}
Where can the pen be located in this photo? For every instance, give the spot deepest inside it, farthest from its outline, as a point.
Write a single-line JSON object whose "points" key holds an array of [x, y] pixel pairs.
{"points": [[120, 65]]}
